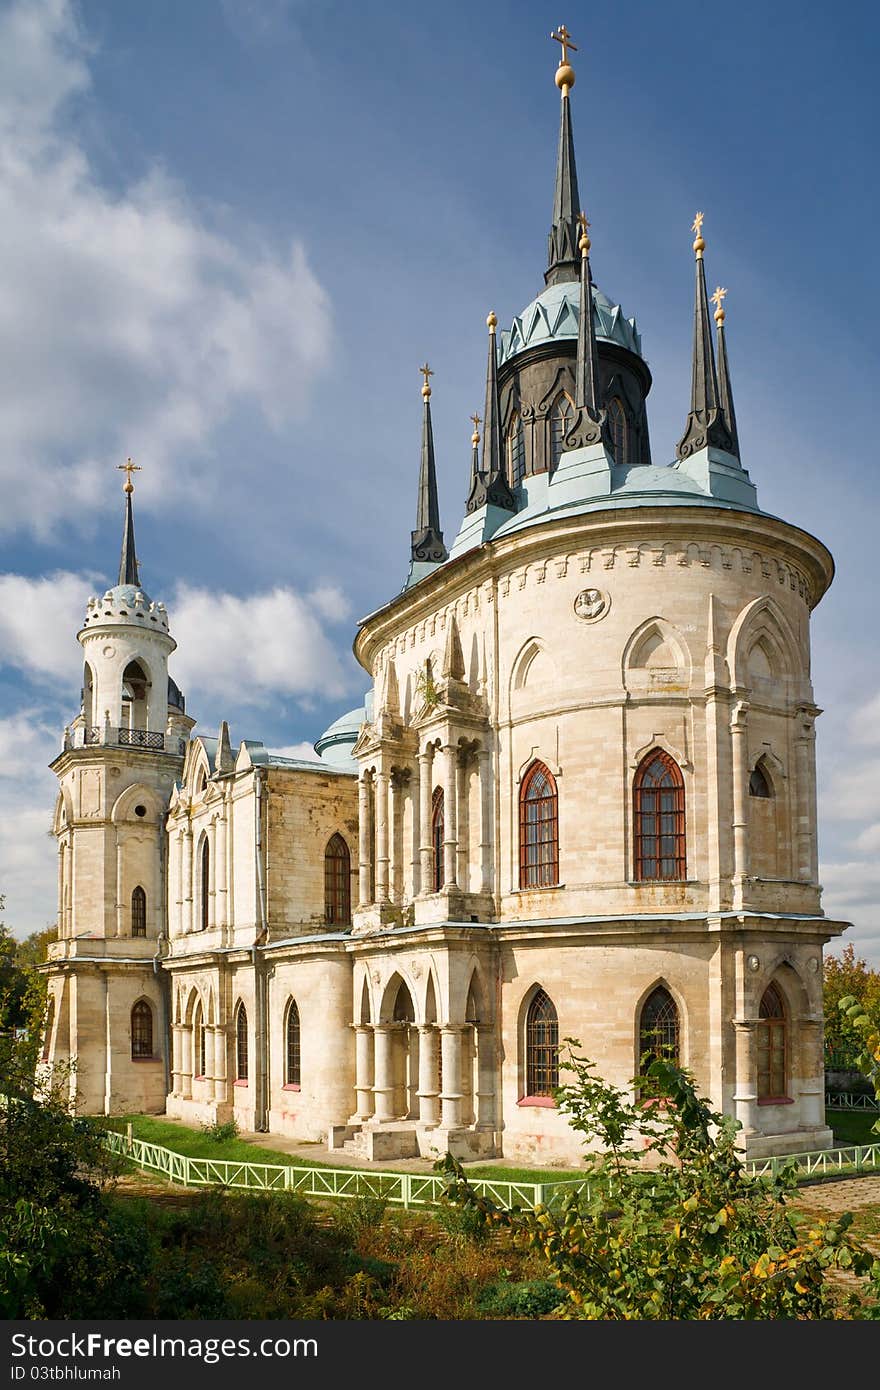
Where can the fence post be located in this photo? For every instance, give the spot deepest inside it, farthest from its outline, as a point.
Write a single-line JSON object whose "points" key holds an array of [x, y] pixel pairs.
{"points": [[128, 1136], [405, 1190], [539, 1195]]}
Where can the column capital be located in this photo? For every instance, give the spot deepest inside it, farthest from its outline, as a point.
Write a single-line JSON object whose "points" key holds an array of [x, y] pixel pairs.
{"points": [[745, 1024]]}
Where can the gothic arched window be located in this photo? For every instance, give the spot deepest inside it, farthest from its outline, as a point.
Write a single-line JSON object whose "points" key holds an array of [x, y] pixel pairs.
{"points": [[138, 912], [438, 832], [538, 829], [659, 825], [241, 1044], [658, 1028], [759, 784], [618, 427], [337, 882], [141, 1029], [516, 450], [772, 1046], [561, 420], [204, 883], [542, 1046], [292, 1060]]}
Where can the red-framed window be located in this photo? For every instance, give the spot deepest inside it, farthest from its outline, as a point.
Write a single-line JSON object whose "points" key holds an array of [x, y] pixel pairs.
{"points": [[538, 829], [658, 819]]}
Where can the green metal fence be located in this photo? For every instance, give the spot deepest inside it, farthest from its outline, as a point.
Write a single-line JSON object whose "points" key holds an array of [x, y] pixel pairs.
{"points": [[426, 1189], [851, 1100]]}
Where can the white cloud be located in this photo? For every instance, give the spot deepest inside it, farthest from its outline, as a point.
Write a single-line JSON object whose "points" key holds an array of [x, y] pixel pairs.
{"points": [[865, 722], [27, 797], [303, 751], [247, 649], [27, 743], [852, 790], [127, 324], [39, 620]]}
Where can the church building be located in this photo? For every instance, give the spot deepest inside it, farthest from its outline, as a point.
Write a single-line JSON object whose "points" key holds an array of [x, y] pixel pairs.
{"points": [[579, 800]]}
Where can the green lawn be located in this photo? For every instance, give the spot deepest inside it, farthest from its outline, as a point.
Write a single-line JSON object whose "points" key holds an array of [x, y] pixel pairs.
{"points": [[853, 1126]]}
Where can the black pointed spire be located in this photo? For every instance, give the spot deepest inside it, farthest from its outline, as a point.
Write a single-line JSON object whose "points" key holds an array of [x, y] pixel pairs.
{"points": [[128, 565], [705, 422], [427, 538], [725, 390], [588, 427], [562, 244], [475, 450], [490, 485]]}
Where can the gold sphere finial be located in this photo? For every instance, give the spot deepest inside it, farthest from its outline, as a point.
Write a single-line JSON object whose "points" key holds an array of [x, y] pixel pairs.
{"points": [[475, 437], [584, 241], [128, 468], [699, 243], [719, 307], [491, 321], [565, 72], [426, 389]]}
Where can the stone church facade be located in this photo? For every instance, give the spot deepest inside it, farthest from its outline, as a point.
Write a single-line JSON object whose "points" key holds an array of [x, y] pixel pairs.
{"points": [[579, 800]]}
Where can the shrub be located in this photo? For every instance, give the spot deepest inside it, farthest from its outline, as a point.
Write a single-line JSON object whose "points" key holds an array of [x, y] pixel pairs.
{"points": [[221, 1132]]}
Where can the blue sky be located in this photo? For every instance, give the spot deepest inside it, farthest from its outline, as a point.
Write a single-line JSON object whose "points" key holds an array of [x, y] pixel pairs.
{"points": [[231, 230]]}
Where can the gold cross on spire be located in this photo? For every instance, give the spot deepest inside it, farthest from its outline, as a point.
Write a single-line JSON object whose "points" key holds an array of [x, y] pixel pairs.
{"points": [[564, 37], [699, 243], [719, 308], [426, 372], [584, 240], [475, 437], [128, 468]]}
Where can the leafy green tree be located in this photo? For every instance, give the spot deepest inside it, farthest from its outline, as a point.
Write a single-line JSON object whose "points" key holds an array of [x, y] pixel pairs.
{"points": [[848, 977], [867, 1030], [692, 1237], [34, 949]]}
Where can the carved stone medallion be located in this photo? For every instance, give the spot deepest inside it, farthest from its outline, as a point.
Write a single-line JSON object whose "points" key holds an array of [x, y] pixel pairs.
{"points": [[591, 605]]}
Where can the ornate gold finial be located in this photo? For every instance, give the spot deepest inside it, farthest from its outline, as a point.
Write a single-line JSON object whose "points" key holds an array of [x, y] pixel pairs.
{"points": [[128, 468], [719, 308], [584, 243], [426, 389], [565, 71], [475, 437], [699, 243], [491, 321]]}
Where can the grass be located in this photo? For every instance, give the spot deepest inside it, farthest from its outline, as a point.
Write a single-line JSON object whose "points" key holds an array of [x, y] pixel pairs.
{"points": [[853, 1126]]}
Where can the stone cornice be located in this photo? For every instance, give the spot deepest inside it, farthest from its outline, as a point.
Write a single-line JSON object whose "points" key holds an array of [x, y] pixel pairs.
{"points": [[603, 540]]}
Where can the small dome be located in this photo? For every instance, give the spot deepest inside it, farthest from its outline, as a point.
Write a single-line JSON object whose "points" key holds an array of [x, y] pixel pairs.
{"points": [[335, 744], [555, 314]]}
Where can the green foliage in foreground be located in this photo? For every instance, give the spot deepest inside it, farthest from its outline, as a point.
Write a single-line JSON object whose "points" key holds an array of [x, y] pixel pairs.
{"points": [[699, 1239], [865, 1025]]}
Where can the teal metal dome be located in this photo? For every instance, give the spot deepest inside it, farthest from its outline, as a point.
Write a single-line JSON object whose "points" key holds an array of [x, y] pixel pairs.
{"points": [[335, 744], [555, 314]]}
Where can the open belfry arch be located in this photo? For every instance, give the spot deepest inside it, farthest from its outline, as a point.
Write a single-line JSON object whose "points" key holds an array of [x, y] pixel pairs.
{"points": [[578, 799]]}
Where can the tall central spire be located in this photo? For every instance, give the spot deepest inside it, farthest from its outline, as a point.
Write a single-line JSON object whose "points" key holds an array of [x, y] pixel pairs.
{"points": [[128, 565], [562, 245], [705, 423]]}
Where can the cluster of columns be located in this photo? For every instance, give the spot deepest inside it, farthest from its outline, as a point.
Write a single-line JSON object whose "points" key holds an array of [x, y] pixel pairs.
{"points": [[184, 1062], [384, 790], [435, 1075]]}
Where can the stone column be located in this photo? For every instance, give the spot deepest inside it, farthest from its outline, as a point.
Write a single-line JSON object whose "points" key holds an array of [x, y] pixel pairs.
{"points": [[187, 922], [178, 850], [804, 807], [745, 1096], [394, 802], [485, 1098], [212, 874], [186, 1060], [382, 860], [486, 844], [740, 747], [383, 1087], [450, 817], [220, 1081], [426, 792], [363, 1076], [176, 1059], [220, 873], [364, 841], [209, 1061], [429, 1096], [120, 900], [812, 1069], [462, 876], [450, 1098]]}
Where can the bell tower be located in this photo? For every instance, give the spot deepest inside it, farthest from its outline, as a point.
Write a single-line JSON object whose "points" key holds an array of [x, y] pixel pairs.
{"points": [[120, 759]]}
